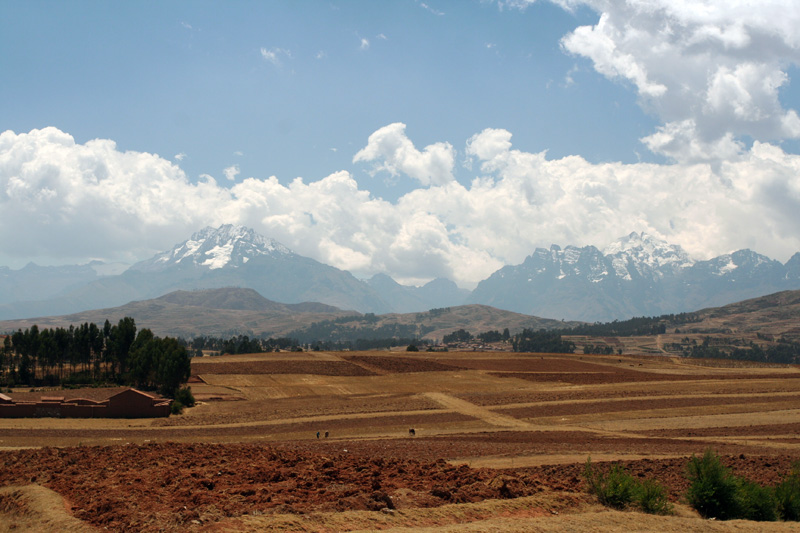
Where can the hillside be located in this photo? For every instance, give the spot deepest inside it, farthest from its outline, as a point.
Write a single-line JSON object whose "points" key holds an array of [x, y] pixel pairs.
{"points": [[776, 315], [213, 312], [236, 311], [431, 325]]}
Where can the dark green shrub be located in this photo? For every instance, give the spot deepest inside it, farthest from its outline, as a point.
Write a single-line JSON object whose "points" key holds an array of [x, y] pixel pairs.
{"points": [[412, 348], [185, 396], [787, 495], [651, 497], [755, 502], [615, 489], [176, 408], [712, 489]]}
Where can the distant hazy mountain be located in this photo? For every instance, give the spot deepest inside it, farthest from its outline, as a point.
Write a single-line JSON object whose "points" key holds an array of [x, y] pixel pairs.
{"points": [[406, 299], [636, 276], [34, 282], [229, 256]]}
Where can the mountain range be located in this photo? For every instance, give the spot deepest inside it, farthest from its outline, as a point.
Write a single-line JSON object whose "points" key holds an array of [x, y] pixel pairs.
{"points": [[637, 275]]}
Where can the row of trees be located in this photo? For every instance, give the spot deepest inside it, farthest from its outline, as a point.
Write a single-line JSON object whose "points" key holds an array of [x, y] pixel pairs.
{"points": [[239, 344], [357, 329], [643, 325], [89, 354], [541, 342], [783, 352]]}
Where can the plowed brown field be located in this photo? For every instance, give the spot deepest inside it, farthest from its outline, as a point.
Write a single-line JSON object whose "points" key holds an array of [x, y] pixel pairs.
{"points": [[489, 430]]}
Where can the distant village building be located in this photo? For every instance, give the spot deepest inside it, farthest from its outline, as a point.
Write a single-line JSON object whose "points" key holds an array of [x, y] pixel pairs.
{"points": [[128, 403]]}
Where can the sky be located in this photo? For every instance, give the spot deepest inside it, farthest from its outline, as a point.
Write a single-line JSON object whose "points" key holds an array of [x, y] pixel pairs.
{"points": [[417, 139]]}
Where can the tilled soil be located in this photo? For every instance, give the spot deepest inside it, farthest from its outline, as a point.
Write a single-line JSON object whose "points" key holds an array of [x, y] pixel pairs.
{"points": [[175, 487], [319, 368], [399, 365], [629, 376]]}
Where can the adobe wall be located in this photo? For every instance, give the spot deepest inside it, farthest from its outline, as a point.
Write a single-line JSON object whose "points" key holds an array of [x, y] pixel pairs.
{"points": [[128, 404]]}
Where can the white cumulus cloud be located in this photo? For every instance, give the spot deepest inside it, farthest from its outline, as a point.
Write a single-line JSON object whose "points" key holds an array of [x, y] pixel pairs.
{"points": [[390, 145], [231, 172], [711, 70], [69, 202]]}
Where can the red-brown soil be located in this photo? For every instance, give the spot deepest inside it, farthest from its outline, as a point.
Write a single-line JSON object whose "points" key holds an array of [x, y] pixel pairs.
{"points": [[399, 365], [178, 487], [572, 409], [320, 368], [627, 376]]}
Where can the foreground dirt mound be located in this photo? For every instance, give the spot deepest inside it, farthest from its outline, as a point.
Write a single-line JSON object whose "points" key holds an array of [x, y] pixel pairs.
{"points": [[36, 508], [176, 487]]}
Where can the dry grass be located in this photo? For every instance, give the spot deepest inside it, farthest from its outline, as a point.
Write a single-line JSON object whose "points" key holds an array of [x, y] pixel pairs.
{"points": [[36, 509]]}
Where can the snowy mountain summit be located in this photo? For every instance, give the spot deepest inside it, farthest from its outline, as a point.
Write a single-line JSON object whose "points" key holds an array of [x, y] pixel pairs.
{"points": [[645, 255], [228, 246]]}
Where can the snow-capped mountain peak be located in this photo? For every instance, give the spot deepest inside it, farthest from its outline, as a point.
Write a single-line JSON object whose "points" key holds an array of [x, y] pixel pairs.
{"points": [[228, 246], [646, 254]]}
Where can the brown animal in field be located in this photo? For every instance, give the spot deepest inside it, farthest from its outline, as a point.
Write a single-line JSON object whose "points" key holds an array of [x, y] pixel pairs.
{"points": [[411, 432]]}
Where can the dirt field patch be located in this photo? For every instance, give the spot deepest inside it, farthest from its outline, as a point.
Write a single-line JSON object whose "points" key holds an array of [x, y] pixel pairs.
{"points": [[320, 368], [611, 375], [399, 365], [529, 363], [547, 409]]}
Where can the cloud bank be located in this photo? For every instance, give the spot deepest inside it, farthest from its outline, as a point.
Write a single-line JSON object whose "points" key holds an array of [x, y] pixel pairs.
{"points": [[710, 70], [71, 202]]}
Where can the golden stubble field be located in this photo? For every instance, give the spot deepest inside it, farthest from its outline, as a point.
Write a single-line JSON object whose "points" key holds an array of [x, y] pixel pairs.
{"points": [[499, 443]]}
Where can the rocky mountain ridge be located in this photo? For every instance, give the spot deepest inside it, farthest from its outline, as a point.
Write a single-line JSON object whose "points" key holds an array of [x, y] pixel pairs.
{"points": [[638, 275]]}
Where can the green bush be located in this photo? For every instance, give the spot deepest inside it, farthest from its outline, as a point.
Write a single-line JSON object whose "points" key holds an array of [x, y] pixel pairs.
{"points": [[651, 497], [176, 408], [755, 502], [615, 489], [712, 489], [618, 489], [185, 396], [787, 495]]}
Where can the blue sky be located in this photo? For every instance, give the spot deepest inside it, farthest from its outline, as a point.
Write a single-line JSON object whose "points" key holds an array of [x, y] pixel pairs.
{"points": [[189, 77], [428, 135]]}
